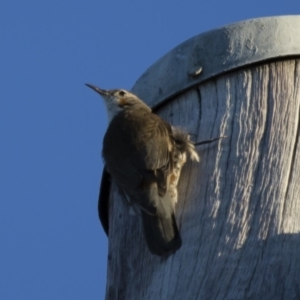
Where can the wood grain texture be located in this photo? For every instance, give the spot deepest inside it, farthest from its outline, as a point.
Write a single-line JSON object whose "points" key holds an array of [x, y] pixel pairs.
{"points": [[238, 209]]}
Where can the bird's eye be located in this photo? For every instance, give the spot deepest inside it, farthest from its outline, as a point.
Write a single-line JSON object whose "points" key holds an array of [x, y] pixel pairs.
{"points": [[122, 93]]}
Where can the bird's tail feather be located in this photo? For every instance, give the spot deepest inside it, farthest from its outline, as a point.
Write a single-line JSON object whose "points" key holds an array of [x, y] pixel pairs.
{"points": [[162, 234]]}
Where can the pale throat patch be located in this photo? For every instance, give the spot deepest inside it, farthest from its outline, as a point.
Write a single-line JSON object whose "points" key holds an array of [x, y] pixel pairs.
{"points": [[112, 110]]}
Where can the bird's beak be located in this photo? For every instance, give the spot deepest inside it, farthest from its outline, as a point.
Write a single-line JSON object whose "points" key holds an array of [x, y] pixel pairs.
{"points": [[98, 90]]}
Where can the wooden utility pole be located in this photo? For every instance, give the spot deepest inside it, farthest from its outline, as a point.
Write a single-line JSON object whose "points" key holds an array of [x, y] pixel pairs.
{"points": [[239, 208]]}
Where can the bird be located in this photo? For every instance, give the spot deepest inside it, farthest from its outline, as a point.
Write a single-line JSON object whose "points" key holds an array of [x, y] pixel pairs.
{"points": [[144, 155]]}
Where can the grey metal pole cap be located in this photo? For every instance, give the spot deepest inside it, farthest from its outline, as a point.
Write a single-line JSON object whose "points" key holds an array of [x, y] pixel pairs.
{"points": [[216, 52]]}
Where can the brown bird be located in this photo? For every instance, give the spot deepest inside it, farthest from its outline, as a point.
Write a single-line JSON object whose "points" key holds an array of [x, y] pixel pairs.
{"points": [[144, 156]]}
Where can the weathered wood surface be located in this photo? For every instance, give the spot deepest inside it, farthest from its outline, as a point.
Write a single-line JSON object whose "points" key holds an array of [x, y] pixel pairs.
{"points": [[218, 51], [239, 208]]}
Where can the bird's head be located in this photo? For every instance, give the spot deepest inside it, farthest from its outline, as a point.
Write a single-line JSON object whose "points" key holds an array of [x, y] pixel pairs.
{"points": [[118, 100]]}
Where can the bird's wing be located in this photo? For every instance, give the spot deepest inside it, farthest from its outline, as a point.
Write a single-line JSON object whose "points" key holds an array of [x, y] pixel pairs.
{"points": [[156, 138], [157, 144], [137, 149]]}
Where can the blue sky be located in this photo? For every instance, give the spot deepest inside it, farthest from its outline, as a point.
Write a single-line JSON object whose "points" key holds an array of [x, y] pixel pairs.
{"points": [[51, 126]]}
